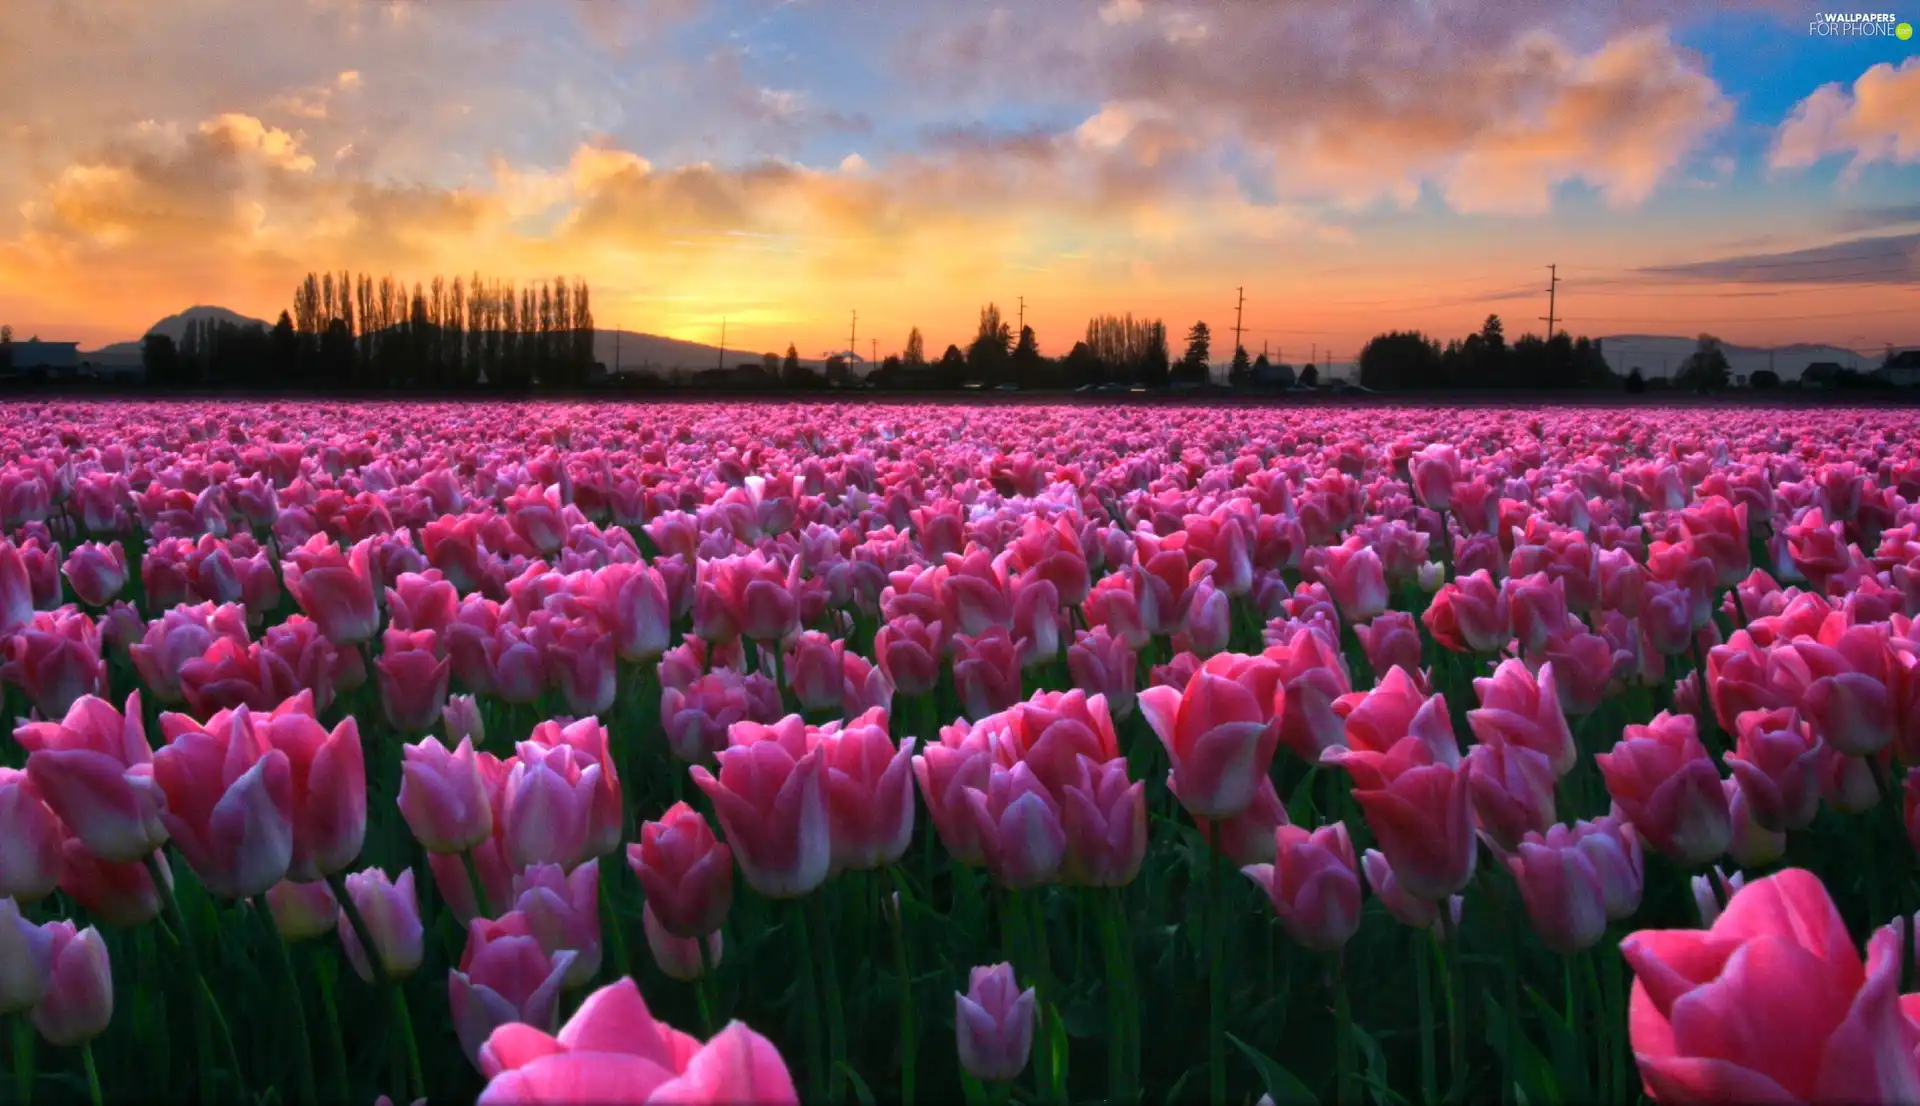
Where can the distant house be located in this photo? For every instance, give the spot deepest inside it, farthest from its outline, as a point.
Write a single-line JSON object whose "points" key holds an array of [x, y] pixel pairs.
{"points": [[1821, 375], [36, 356], [1902, 370], [1274, 374]]}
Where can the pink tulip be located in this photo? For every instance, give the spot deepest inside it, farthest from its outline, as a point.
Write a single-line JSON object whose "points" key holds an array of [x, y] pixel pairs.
{"points": [[422, 601], [56, 660], [1407, 910], [1391, 640], [562, 910], [1613, 848], [1017, 822], [1354, 574], [986, 672], [678, 957], [443, 796], [1314, 885], [581, 661], [697, 718], [1772, 1003], [413, 680], [636, 596], [30, 839], [180, 635], [1563, 893], [1104, 817], [392, 916], [335, 589], [1469, 614], [1221, 732], [1662, 782], [1512, 793], [16, 590], [1247, 837], [869, 787], [95, 770], [547, 805], [1435, 470], [773, 807], [1101, 664], [909, 652], [613, 1051], [1396, 708], [994, 1024], [26, 960], [329, 784], [1423, 823], [1751, 844], [1518, 707], [1777, 763], [686, 873], [302, 911], [587, 742], [947, 770], [97, 572], [78, 1002], [119, 895], [504, 978], [229, 803]]}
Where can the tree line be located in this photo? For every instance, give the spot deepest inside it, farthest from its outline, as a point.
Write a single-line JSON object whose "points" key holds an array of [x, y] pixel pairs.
{"points": [[354, 332]]}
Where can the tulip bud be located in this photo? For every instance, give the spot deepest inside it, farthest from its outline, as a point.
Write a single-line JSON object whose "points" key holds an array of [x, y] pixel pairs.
{"points": [[392, 916], [994, 1022], [79, 999], [678, 957], [302, 911], [26, 959]]}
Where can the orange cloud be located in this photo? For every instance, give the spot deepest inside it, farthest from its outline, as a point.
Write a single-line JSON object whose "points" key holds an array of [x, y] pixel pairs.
{"points": [[1877, 120]]}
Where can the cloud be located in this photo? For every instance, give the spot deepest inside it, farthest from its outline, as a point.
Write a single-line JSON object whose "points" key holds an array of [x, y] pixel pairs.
{"points": [[1877, 120], [1873, 218], [1886, 259]]}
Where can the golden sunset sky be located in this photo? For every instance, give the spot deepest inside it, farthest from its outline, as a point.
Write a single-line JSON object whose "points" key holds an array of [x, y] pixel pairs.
{"points": [[781, 163]]}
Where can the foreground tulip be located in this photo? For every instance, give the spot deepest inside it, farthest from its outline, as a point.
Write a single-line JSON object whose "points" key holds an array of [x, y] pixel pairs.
{"points": [[1104, 817], [993, 1023], [613, 1051], [335, 589], [229, 804], [679, 957], [121, 895], [443, 796], [1660, 778], [1313, 884], [392, 916], [1017, 823], [1564, 895], [504, 978], [329, 785], [26, 960], [773, 807], [1518, 707], [1772, 1003], [412, 680], [30, 838], [1424, 824], [869, 791], [78, 1002], [95, 770], [562, 910], [1220, 732], [685, 871], [303, 911]]}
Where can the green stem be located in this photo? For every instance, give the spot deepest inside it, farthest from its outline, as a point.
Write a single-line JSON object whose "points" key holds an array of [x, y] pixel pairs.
{"points": [[700, 987], [1216, 973], [303, 1048], [1036, 920], [1616, 1004], [909, 1041], [1574, 1019], [1122, 1013], [1424, 958], [481, 906], [836, 1018], [1603, 1038], [336, 1048], [93, 1074], [203, 1026], [1343, 1031], [414, 1081], [375, 962], [1454, 990], [23, 1056], [809, 1019], [613, 926]]}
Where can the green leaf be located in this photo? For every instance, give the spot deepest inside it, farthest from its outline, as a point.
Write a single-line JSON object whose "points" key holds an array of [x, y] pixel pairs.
{"points": [[976, 1094], [1526, 1068], [1376, 1075], [861, 1091], [1280, 1082]]}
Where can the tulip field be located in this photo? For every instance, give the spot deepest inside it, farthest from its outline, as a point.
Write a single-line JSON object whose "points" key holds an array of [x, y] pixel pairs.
{"points": [[759, 753]]}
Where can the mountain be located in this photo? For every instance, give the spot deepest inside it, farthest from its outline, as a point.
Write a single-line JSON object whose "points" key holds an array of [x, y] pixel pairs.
{"points": [[630, 351], [1654, 354], [173, 326]]}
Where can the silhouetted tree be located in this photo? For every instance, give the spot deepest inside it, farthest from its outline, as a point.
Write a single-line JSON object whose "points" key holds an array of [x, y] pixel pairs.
{"points": [[1636, 383], [1240, 373], [1025, 361], [952, 370], [284, 360], [1310, 376], [1399, 360], [790, 370], [1154, 368], [1706, 368], [1764, 380], [161, 360], [916, 348], [6, 348], [1194, 364], [987, 358]]}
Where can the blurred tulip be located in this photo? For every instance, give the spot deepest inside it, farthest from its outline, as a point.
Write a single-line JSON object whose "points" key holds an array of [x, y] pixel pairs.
{"points": [[994, 1022]]}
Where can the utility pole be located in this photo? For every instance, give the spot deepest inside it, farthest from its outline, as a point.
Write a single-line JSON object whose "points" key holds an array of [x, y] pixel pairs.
{"points": [[852, 327], [616, 352], [723, 343], [1553, 284], [1238, 310], [873, 344], [1023, 312]]}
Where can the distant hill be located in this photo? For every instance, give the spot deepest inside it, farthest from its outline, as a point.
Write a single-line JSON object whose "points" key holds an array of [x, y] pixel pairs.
{"points": [[173, 326], [1650, 352]]}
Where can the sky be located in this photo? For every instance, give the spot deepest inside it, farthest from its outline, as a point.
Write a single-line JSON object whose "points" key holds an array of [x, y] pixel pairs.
{"points": [[778, 165]]}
